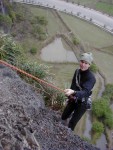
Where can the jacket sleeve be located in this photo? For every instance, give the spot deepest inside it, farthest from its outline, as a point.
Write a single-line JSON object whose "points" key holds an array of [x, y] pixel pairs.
{"points": [[86, 88]]}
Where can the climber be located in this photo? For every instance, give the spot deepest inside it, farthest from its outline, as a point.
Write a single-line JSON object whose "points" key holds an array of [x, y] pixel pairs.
{"points": [[79, 94]]}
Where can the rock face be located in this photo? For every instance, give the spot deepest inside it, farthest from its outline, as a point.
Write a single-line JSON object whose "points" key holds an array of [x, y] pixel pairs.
{"points": [[25, 122]]}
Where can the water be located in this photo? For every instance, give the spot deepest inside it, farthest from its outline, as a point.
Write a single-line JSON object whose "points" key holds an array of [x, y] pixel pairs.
{"points": [[56, 52], [88, 125], [111, 106], [101, 142], [102, 86]]}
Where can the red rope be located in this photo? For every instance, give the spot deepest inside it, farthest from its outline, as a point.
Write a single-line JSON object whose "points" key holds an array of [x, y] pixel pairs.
{"points": [[30, 75]]}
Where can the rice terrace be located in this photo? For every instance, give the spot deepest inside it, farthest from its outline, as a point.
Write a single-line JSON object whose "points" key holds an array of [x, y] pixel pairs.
{"points": [[52, 40]]}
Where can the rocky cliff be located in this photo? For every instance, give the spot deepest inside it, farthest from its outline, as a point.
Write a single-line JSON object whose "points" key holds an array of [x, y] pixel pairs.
{"points": [[25, 122]]}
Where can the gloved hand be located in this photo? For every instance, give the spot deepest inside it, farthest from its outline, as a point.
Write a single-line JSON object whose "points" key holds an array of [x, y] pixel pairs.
{"points": [[69, 92], [72, 98]]}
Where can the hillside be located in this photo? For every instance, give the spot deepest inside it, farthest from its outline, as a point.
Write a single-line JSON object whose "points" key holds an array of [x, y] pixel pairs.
{"points": [[25, 122]]}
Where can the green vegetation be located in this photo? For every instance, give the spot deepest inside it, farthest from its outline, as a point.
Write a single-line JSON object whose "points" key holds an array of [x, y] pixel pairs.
{"points": [[75, 41], [94, 68], [104, 62], [53, 98], [108, 91], [38, 70], [105, 7], [5, 21], [97, 129], [109, 119], [87, 34], [108, 49], [9, 10], [33, 50], [9, 50], [86, 139], [101, 5], [101, 107], [54, 23]]}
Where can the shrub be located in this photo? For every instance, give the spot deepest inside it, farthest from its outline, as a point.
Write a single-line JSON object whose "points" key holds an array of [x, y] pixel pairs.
{"points": [[54, 99], [42, 37], [109, 119], [100, 107], [39, 32], [12, 15], [97, 127], [93, 68], [41, 20], [75, 41], [86, 139], [9, 51], [108, 91], [1, 18], [19, 16], [60, 99], [38, 70], [5, 20], [33, 50]]}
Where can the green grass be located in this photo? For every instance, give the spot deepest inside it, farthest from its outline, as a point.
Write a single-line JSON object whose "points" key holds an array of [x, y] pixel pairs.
{"points": [[87, 33], [104, 62], [54, 24], [63, 74], [104, 7], [108, 49]]}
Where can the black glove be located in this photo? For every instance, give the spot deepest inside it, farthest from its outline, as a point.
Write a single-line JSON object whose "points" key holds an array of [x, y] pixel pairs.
{"points": [[72, 98]]}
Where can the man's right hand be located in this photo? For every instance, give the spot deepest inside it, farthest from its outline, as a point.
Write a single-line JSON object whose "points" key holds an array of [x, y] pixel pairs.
{"points": [[69, 92]]}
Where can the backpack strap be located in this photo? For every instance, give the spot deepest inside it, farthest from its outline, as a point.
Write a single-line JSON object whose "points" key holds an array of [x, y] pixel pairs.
{"points": [[78, 79]]}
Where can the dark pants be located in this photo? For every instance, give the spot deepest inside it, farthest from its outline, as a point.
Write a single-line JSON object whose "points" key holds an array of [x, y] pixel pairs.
{"points": [[78, 110]]}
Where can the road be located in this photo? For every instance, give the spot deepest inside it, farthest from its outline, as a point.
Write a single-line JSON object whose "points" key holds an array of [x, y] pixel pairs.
{"points": [[102, 20]]}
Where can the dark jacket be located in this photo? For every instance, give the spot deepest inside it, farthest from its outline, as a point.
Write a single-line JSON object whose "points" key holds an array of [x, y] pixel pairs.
{"points": [[86, 81]]}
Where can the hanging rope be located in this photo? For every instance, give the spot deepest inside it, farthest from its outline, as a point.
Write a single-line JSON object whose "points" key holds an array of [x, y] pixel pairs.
{"points": [[31, 76]]}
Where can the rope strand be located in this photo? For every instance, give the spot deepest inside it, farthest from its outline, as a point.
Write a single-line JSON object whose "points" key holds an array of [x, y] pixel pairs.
{"points": [[31, 76]]}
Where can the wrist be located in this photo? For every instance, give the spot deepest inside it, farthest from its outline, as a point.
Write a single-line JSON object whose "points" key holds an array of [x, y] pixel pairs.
{"points": [[74, 92]]}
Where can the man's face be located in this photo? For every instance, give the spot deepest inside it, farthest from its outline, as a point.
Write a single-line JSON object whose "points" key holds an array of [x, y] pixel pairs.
{"points": [[84, 65]]}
